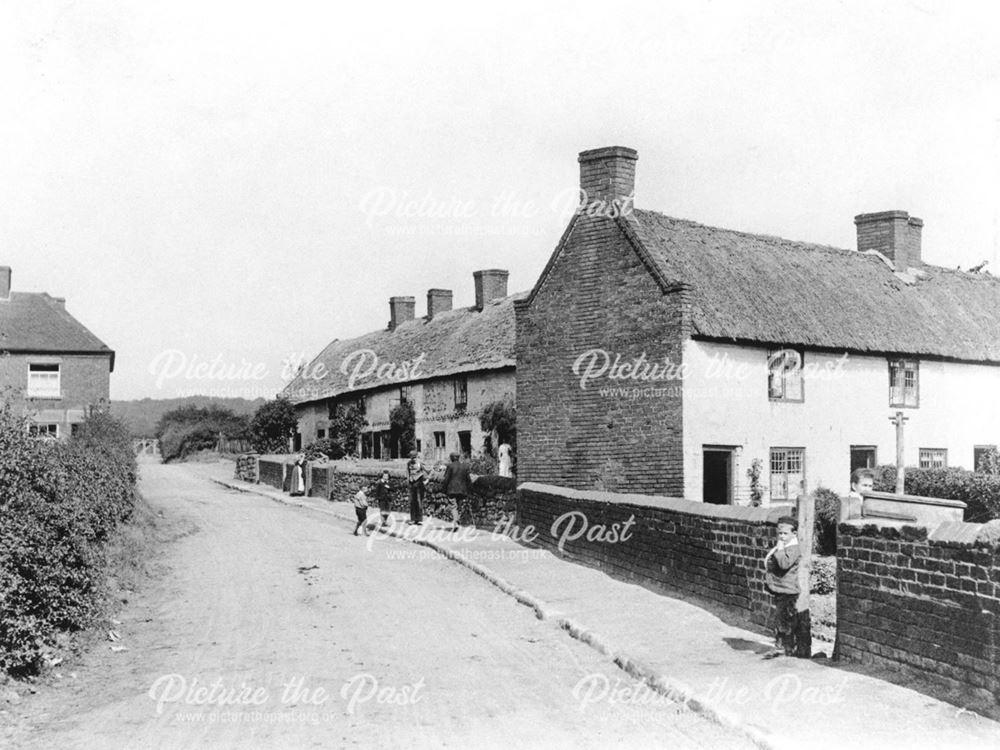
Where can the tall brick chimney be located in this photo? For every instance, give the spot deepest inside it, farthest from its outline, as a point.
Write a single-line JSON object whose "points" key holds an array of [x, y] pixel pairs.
{"points": [[491, 284], [5, 275], [438, 301], [401, 309], [895, 234], [607, 175]]}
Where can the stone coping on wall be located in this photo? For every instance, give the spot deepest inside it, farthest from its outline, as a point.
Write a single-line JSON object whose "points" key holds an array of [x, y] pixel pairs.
{"points": [[946, 533], [763, 514]]}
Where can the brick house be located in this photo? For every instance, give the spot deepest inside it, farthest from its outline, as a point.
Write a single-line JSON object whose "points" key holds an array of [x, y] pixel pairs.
{"points": [[51, 367], [448, 364], [661, 356]]}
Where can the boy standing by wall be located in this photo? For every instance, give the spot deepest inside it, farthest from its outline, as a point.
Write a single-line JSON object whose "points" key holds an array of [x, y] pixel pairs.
{"points": [[782, 580]]}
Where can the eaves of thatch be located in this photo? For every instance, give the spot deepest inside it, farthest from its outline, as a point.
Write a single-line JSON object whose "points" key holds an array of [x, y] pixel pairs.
{"points": [[760, 289]]}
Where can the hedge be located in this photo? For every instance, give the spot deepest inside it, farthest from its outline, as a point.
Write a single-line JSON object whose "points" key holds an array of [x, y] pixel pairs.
{"points": [[60, 503]]}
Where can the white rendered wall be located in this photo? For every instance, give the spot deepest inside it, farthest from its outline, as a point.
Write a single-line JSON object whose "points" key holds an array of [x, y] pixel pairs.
{"points": [[847, 403]]}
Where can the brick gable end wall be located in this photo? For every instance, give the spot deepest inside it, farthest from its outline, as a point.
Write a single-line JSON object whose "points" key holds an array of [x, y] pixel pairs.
{"points": [[598, 294]]}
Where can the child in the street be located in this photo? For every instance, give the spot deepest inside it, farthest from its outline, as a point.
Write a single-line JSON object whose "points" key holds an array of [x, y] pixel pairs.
{"points": [[361, 510], [782, 580], [383, 497]]}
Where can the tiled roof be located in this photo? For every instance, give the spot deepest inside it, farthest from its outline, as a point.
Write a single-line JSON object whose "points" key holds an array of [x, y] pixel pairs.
{"points": [[35, 322], [453, 342], [759, 288]]}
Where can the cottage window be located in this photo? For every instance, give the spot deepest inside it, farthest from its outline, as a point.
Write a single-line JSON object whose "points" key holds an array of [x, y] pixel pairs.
{"points": [[461, 393], [787, 473], [933, 458], [903, 383], [439, 446], [979, 452], [784, 375], [43, 380], [320, 433], [404, 394]]}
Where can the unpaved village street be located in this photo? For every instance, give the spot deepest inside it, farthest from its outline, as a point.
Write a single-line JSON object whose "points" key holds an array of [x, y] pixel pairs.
{"points": [[272, 626]]}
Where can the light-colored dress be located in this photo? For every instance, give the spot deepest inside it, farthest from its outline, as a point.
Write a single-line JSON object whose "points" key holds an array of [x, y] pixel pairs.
{"points": [[504, 452]]}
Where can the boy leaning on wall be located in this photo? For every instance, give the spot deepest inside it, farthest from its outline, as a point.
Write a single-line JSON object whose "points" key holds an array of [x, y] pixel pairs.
{"points": [[782, 579]]}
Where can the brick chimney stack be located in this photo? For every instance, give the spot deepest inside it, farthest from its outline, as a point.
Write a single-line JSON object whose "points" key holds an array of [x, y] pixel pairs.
{"points": [[438, 301], [401, 309], [5, 275], [608, 175], [895, 234], [491, 284]]}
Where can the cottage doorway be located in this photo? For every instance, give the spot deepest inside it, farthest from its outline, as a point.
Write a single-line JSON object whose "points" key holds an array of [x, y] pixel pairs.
{"points": [[717, 474]]}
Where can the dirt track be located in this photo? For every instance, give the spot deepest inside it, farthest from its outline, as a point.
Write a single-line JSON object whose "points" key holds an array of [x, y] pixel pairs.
{"points": [[299, 636]]}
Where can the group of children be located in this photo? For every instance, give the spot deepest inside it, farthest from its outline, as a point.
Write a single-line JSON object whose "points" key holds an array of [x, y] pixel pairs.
{"points": [[380, 490]]}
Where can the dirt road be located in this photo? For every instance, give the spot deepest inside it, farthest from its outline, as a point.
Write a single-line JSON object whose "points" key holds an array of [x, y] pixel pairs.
{"points": [[271, 626]]}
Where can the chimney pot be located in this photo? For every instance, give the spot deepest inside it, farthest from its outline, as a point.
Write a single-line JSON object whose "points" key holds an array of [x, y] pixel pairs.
{"points": [[438, 301], [5, 277], [401, 309], [607, 179], [894, 234], [491, 284]]}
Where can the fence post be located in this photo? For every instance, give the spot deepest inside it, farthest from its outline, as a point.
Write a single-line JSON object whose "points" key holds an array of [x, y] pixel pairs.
{"points": [[803, 621]]}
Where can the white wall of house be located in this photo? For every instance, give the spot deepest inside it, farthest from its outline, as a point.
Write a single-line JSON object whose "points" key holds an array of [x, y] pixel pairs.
{"points": [[845, 402]]}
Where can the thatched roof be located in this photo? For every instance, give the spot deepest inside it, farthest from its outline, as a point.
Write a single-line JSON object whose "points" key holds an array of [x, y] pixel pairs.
{"points": [[747, 287], [34, 322], [458, 341]]}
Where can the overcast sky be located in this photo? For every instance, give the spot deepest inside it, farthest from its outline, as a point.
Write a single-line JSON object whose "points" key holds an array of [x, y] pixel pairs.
{"points": [[221, 181]]}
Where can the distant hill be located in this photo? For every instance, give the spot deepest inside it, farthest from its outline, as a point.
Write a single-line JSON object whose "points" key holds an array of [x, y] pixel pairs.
{"points": [[141, 416]]}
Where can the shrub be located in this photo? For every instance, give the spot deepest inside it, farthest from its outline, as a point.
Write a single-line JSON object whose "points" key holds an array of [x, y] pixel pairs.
{"points": [[501, 417], [980, 491], [825, 525], [823, 576], [483, 464], [272, 424], [191, 428], [60, 503]]}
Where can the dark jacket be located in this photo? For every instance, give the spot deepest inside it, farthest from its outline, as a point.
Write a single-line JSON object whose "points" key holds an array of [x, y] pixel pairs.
{"points": [[783, 570], [456, 479], [381, 493]]}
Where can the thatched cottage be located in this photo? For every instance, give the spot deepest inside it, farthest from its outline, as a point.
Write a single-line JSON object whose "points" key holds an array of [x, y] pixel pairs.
{"points": [[448, 364], [658, 355]]}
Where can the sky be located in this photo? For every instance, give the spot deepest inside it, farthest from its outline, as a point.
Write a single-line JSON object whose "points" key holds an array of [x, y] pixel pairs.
{"points": [[219, 189]]}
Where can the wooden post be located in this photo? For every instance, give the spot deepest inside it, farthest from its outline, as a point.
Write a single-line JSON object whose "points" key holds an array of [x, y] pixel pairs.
{"points": [[803, 621], [898, 420]]}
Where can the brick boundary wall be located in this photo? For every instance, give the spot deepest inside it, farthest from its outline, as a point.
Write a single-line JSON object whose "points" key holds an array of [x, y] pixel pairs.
{"points": [[713, 552], [924, 605]]}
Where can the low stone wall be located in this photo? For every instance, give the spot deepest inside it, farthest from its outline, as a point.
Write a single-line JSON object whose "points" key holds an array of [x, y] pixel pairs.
{"points": [[246, 468], [715, 552], [491, 504], [925, 604], [493, 501]]}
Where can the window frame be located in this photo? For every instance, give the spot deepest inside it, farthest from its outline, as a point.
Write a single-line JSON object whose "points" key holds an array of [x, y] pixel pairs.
{"points": [[902, 363], [771, 362], [461, 386], [51, 431], [32, 382], [930, 458], [771, 473], [984, 447]]}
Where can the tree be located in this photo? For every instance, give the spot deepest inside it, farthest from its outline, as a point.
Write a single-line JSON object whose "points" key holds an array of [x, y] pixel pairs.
{"points": [[272, 424], [402, 424]]}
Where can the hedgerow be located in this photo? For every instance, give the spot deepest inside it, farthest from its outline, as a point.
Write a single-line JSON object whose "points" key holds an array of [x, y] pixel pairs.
{"points": [[979, 490], [60, 503]]}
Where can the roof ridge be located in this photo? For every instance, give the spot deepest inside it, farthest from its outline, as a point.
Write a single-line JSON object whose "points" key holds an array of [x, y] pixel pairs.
{"points": [[803, 244]]}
